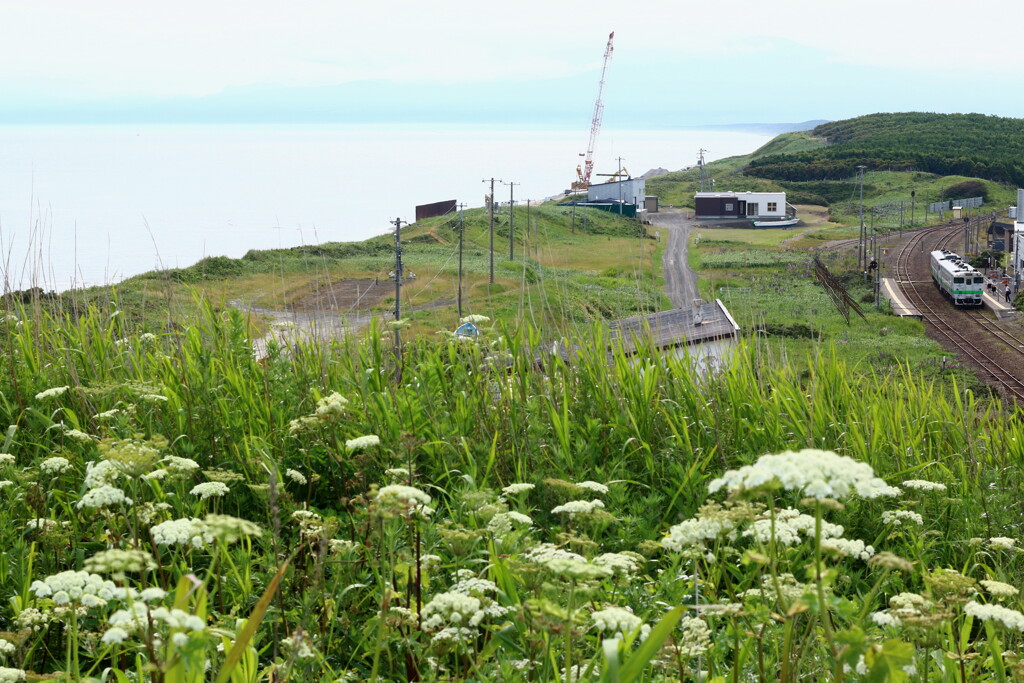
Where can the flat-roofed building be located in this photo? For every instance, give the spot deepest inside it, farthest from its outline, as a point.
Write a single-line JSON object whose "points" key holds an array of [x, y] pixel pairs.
{"points": [[740, 204]]}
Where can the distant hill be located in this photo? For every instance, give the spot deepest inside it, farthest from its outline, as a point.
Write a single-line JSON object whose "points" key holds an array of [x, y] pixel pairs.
{"points": [[761, 128], [972, 145]]}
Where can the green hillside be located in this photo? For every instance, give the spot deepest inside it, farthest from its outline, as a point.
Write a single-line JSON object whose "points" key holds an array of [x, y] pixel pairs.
{"points": [[972, 145]]}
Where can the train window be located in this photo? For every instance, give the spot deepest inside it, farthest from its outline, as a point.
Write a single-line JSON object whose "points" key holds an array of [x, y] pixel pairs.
{"points": [[958, 281], [979, 281]]}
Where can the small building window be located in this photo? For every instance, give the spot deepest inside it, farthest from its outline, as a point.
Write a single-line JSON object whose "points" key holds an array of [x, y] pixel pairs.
{"points": [[773, 206], [728, 207]]}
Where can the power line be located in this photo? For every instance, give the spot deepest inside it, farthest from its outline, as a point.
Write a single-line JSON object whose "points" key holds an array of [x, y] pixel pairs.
{"points": [[398, 296], [511, 216], [491, 221]]}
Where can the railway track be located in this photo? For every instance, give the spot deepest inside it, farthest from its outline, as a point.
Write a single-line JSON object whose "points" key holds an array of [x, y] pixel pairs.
{"points": [[963, 331]]}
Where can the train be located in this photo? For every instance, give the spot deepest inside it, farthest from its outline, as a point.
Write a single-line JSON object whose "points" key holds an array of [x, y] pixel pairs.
{"points": [[959, 281]]}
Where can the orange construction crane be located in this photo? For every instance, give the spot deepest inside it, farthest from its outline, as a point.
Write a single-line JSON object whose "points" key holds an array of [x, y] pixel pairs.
{"points": [[584, 170]]}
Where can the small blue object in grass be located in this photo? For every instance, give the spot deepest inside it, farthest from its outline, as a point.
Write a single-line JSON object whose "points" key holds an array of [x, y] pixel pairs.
{"points": [[467, 330]]}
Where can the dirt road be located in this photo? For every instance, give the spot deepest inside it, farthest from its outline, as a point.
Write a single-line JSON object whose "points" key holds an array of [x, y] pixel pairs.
{"points": [[680, 280]]}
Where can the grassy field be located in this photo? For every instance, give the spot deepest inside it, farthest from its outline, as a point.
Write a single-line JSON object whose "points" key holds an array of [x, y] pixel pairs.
{"points": [[176, 510]]}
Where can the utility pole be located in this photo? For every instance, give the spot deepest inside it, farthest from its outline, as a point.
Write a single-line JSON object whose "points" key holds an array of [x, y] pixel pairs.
{"points": [[511, 217], [461, 226], [862, 247], [491, 221], [398, 296]]}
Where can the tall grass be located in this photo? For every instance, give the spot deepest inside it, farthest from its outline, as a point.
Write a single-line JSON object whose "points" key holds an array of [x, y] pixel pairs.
{"points": [[468, 419]]}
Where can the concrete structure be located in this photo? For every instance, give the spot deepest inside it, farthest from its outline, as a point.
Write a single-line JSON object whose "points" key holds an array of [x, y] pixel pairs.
{"points": [[632, 191], [740, 204], [1016, 245], [705, 333]]}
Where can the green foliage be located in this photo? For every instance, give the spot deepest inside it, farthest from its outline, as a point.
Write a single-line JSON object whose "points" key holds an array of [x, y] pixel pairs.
{"points": [[972, 145], [966, 189]]}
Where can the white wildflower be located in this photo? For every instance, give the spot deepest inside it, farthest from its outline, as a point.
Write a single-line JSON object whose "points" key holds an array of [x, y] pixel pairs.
{"points": [[361, 443], [885, 619], [102, 472], [578, 507], [1002, 542], [616, 619], [117, 561], [78, 435], [850, 547], [7, 648], [1010, 618], [695, 638], [398, 496], [695, 531], [54, 465], [107, 414], [153, 398], [75, 587], [922, 485], [515, 489], [6, 459], [897, 517], [102, 497], [475, 319], [998, 589], [397, 472], [230, 529], [210, 489], [593, 486], [296, 476], [9, 675], [50, 393], [620, 563], [502, 523], [181, 532], [332, 405], [179, 464], [810, 472]]}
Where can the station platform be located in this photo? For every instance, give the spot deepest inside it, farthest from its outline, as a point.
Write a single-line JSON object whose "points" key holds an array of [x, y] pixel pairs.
{"points": [[993, 298], [900, 306]]}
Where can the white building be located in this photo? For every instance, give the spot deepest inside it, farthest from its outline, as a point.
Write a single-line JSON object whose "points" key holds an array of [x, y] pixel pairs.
{"points": [[632, 191], [740, 204]]}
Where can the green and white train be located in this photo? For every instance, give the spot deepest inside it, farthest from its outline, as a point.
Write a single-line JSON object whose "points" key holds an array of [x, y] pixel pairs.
{"points": [[959, 281]]}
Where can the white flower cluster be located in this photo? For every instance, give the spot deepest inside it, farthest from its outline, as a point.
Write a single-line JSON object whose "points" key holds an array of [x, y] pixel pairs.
{"points": [[84, 588], [54, 465], [810, 472], [179, 464], [107, 414], [922, 485], [594, 486], [5, 483], [695, 531], [998, 589], [502, 523], [7, 648], [789, 524], [467, 604], [296, 476], [897, 517], [50, 393], [102, 497], [621, 564], [138, 617], [210, 489], [181, 532], [885, 619], [1010, 618], [1002, 542], [695, 638], [331, 405], [77, 435], [578, 507], [403, 500], [6, 459], [850, 547], [102, 472], [617, 620], [362, 443], [117, 561], [565, 563], [516, 489], [475, 319], [9, 675], [230, 529]]}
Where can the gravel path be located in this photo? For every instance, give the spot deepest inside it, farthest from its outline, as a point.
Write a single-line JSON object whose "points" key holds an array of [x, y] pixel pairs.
{"points": [[680, 280]]}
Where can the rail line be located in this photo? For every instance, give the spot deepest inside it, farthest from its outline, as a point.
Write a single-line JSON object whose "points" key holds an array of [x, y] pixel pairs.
{"points": [[959, 328]]}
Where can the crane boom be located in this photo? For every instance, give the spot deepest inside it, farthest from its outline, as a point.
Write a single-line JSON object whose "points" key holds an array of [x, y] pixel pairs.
{"points": [[583, 171]]}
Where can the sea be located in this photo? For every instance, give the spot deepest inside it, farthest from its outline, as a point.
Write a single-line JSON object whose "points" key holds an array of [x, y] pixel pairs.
{"points": [[84, 205]]}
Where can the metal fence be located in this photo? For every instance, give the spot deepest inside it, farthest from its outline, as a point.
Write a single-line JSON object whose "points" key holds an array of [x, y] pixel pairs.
{"points": [[969, 203]]}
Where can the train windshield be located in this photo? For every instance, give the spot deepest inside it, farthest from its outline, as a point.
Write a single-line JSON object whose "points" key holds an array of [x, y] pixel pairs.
{"points": [[958, 281], [979, 281]]}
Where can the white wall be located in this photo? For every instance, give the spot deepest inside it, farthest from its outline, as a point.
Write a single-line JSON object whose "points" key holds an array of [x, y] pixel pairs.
{"points": [[630, 191]]}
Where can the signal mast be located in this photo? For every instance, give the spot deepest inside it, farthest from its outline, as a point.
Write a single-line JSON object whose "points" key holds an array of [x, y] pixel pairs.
{"points": [[584, 170]]}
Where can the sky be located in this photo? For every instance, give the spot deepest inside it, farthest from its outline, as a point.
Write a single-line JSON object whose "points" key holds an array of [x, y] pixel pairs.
{"points": [[532, 63]]}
